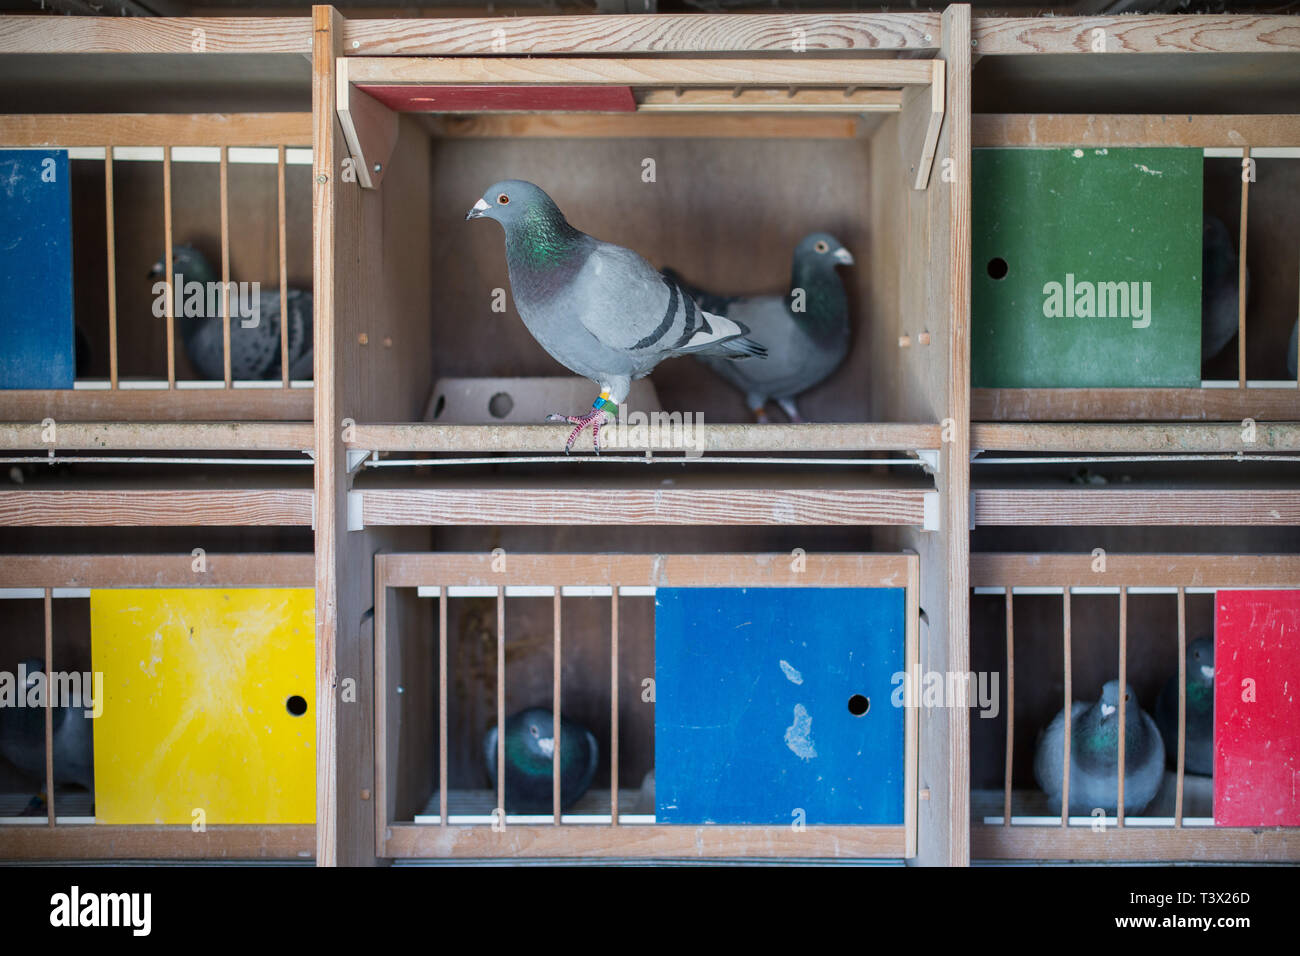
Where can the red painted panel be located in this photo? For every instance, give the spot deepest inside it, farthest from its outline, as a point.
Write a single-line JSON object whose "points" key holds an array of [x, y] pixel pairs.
{"points": [[515, 99], [1257, 742]]}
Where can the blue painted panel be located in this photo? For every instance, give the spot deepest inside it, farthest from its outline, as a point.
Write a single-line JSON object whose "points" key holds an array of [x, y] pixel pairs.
{"points": [[752, 718], [36, 336]]}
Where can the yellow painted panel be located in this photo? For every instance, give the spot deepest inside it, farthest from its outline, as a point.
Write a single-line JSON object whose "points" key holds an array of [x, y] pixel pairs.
{"points": [[197, 683]]}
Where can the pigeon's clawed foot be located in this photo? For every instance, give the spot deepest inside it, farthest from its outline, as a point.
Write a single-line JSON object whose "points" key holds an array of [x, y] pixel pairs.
{"points": [[595, 418]]}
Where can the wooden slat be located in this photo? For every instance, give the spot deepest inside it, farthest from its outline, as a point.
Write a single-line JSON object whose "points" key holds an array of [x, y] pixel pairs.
{"points": [[1068, 656], [659, 34], [110, 245], [49, 706], [1135, 506], [1241, 275], [122, 436], [1225, 33], [648, 72], [1123, 703], [32, 34], [659, 570], [1111, 130], [154, 129], [442, 706], [158, 405], [78, 842], [1144, 437], [169, 276], [1135, 570], [1134, 404], [781, 101], [382, 717], [556, 807], [712, 437], [912, 717], [501, 702], [645, 125], [1200, 844], [281, 236], [613, 705], [225, 264], [162, 507], [1011, 709], [471, 505], [1182, 707], [156, 570], [519, 841]]}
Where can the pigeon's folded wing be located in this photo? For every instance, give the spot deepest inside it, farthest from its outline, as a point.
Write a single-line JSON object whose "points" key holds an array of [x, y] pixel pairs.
{"points": [[627, 305]]}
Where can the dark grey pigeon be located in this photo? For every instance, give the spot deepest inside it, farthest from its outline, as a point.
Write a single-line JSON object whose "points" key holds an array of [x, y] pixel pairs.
{"points": [[1219, 268], [1200, 710], [254, 350], [598, 309], [530, 760], [22, 735], [1094, 755], [806, 331]]}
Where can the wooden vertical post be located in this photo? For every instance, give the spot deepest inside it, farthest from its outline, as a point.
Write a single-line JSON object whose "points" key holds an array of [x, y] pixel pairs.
{"points": [[613, 705], [1069, 702], [501, 701], [1182, 705], [442, 705], [49, 706], [1011, 712], [111, 244], [284, 272], [168, 260], [225, 263], [1241, 274], [555, 712], [1123, 700]]}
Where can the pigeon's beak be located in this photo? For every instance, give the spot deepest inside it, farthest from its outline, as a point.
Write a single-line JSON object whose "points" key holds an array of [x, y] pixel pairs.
{"points": [[1107, 710], [480, 208], [843, 256], [1207, 670], [546, 745], [156, 271]]}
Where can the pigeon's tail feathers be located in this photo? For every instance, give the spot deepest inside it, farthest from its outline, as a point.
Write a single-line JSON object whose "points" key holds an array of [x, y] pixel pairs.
{"points": [[707, 301], [719, 335]]}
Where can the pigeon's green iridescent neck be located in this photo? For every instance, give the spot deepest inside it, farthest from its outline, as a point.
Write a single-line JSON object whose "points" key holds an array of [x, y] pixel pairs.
{"points": [[541, 238], [826, 307]]}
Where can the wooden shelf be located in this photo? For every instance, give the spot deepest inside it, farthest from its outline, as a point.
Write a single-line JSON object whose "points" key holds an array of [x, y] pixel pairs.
{"points": [[1134, 404], [1171, 437], [1137, 503], [158, 404], [161, 436], [95, 842], [1115, 844], [714, 438], [1220, 33], [720, 497]]}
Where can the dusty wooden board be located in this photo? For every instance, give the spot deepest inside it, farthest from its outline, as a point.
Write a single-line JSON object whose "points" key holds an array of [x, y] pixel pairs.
{"points": [[922, 108], [156, 570], [661, 34], [1137, 437], [96, 506], [157, 405], [414, 840], [156, 129], [104, 436], [1225, 33], [1075, 129], [635, 125], [1202, 844], [1135, 506], [1134, 570], [32, 34], [473, 504], [776, 101], [1134, 404], [74, 842], [645, 72], [713, 438]]}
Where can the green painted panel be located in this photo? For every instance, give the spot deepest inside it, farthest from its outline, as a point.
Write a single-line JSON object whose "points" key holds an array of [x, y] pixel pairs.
{"points": [[1102, 278]]}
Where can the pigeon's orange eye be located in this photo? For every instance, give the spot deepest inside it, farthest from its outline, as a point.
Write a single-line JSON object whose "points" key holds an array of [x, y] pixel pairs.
{"points": [[533, 731], [503, 199], [821, 247]]}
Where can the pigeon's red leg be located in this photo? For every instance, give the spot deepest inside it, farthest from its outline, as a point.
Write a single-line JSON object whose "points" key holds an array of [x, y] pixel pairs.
{"points": [[595, 418]]}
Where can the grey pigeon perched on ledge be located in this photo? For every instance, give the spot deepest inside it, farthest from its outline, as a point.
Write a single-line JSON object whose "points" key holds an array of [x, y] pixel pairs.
{"points": [[598, 309], [1219, 268], [1094, 755], [806, 331], [255, 349], [1199, 753], [530, 749], [22, 735]]}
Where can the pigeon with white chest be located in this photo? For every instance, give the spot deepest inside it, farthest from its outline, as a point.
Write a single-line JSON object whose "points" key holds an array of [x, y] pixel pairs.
{"points": [[600, 310]]}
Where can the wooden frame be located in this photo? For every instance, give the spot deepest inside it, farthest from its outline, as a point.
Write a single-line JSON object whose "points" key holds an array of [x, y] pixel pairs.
{"points": [[1263, 401], [613, 575], [117, 400], [53, 572], [1145, 573]]}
